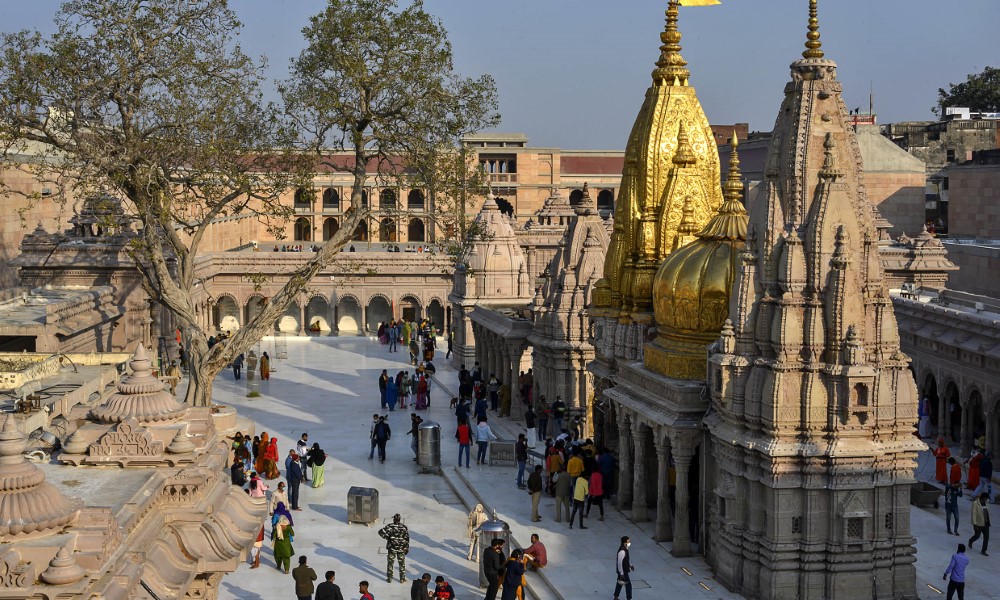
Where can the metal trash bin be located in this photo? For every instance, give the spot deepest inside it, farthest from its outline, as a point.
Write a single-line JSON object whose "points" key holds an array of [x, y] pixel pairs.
{"points": [[362, 505], [488, 531], [429, 447]]}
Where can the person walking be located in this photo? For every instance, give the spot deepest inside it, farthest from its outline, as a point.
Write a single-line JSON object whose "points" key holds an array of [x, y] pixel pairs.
{"points": [[951, 495], [419, 591], [981, 523], [363, 590], [558, 415], [956, 569], [174, 375], [382, 433], [328, 590], [278, 496], [941, 455], [391, 394], [624, 568], [393, 338], [521, 456], [535, 489], [563, 491], [464, 436], [238, 365], [513, 576], [281, 542], [484, 435], [493, 389], [477, 516], [317, 459], [442, 589], [596, 496], [254, 557], [304, 576], [293, 474], [397, 546], [302, 449], [985, 476], [580, 491], [383, 382], [265, 367], [543, 418], [493, 564], [371, 435], [415, 422], [530, 421]]}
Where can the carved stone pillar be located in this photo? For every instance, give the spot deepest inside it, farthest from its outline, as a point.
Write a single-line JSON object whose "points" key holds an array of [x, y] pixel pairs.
{"points": [[942, 423], [624, 461], [683, 446], [640, 509], [966, 434], [302, 319], [363, 325], [664, 512]]}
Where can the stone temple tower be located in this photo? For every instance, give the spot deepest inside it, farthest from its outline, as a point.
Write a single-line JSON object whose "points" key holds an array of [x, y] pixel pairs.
{"points": [[813, 406]]}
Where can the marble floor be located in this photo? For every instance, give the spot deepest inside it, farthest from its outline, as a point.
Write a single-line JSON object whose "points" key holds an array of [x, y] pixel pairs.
{"points": [[328, 388]]}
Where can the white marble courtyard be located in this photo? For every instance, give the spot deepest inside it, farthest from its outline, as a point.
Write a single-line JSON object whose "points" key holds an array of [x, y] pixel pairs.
{"points": [[328, 388]]}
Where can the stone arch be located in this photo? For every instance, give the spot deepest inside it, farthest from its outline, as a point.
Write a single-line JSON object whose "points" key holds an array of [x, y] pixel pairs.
{"points": [[253, 307], [303, 230], [331, 199], [606, 200], [378, 310], [361, 233], [435, 312], [575, 197], [976, 420], [415, 200], [330, 227], [226, 312], [302, 199], [929, 393], [288, 322], [387, 199], [348, 313], [953, 409], [387, 230], [410, 308], [415, 231], [318, 314]]}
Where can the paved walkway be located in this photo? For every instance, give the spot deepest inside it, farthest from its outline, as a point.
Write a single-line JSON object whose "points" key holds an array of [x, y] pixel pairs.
{"points": [[328, 387]]}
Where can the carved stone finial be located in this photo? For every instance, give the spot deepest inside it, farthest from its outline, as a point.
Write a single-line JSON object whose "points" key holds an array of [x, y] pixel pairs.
{"points": [[140, 396], [28, 504], [63, 568], [181, 444]]}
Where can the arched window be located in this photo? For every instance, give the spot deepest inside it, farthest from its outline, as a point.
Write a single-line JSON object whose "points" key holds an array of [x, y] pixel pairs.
{"points": [[415, 200], [606, 200], [575, 197], [415, 231], [330, 227], [303, 199], [303, 230], [387, 199], [331, 199], [387, 230], [361, 233]]}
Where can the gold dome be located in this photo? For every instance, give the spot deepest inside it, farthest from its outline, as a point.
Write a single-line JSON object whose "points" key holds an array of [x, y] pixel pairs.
{"points": [[692, 287]]}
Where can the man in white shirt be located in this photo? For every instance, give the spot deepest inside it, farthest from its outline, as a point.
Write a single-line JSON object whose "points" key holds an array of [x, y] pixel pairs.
{"points": [[302, 449]]}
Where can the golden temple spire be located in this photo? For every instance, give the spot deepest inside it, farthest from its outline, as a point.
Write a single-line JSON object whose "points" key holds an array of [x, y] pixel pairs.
{"points": [[733, 188], [814, 48], [671, 69]]}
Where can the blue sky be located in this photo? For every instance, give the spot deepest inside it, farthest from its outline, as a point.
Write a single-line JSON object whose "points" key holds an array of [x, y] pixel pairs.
{"points": [[572, 73]]}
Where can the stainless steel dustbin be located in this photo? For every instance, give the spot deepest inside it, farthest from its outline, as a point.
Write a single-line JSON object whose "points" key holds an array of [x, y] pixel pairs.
{"points": [[362, 505], [489, 531], [429, 447]]}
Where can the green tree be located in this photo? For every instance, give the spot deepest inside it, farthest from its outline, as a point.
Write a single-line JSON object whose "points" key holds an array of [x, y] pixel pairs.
{"points": [[385, 94], [980, 92], [153, 103]]}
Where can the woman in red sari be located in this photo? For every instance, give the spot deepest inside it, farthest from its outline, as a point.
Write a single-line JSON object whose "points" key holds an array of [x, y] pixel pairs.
{"points": [[972, 479], [271, 460], [260, 451], [941, 454]]}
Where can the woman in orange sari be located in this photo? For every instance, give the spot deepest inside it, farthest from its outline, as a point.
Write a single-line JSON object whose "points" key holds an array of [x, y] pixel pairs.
{"points": [[271, 460], [260, 451], [941, 454]]}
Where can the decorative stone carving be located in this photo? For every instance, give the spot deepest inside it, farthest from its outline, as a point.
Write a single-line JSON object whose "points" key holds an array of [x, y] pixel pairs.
{"points": [[28, 504], [13, 572], [181, 444], [140, 397], [63, 568], [127, 440]]}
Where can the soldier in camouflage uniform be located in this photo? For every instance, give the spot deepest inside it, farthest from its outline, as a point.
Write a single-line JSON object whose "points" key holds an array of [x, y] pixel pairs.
{"points": [[397, 545]]}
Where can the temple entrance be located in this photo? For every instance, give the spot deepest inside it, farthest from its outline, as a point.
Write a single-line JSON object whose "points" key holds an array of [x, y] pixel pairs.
{"points": [[410, 308]]}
